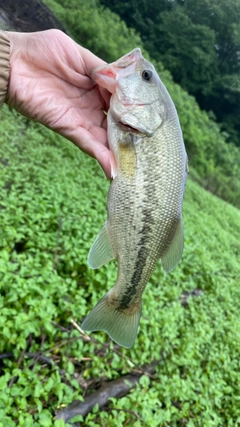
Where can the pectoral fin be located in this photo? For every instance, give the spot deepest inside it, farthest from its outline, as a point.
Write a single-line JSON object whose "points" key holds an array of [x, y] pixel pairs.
{"points": [[174, 254], [101, 251]]}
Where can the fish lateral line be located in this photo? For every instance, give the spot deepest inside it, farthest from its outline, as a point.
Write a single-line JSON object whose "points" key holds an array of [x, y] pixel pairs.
{"points": [[144, 222]]}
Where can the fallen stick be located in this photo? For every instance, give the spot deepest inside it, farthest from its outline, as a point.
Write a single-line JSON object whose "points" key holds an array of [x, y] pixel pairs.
{"points": [[115, 388]]}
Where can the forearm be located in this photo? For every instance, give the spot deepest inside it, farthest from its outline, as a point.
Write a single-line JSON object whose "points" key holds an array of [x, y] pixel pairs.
{"points": [[4, 65]]}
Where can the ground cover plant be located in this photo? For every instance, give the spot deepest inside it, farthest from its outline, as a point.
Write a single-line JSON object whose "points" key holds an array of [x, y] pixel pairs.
{"points": [[52, 205]]}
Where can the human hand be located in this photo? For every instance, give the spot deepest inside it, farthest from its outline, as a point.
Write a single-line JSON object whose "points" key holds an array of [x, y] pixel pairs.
{"points": [[50, 82]]}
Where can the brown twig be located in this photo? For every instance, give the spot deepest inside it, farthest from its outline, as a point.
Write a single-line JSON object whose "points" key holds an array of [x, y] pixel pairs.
{"points": [[116, 388], [13, 379], [125, 410], [142, 372], [85, 336], [6, 356]]}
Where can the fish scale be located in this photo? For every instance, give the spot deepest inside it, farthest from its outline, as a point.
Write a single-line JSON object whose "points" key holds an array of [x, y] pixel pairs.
{"points": [[152, 205], [144, 222]]}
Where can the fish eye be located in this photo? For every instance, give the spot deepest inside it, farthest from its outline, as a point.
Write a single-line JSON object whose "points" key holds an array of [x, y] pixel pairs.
{"points": [[146, 75]]}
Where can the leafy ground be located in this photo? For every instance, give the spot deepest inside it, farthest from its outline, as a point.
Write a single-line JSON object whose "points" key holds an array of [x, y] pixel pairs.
{"points": [[52, 205]]}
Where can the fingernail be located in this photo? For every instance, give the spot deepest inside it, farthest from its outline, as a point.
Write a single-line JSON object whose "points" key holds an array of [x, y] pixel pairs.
{"points": [[113, 164]]}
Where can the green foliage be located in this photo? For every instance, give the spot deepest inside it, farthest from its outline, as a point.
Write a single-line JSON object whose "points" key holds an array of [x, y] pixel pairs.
{"points": [[193, 41], [199, 42], [52, 206], [96, 28]]}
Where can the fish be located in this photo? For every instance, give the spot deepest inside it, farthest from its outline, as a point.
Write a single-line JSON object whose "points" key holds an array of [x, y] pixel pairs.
{"points": [[144, 207]]}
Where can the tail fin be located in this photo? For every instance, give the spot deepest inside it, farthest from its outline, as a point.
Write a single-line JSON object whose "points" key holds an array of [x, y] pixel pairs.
{"points": [[120, 325]]}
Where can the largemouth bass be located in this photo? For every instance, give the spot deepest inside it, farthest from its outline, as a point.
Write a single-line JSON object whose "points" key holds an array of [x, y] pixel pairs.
{"points": [[144, 222]]}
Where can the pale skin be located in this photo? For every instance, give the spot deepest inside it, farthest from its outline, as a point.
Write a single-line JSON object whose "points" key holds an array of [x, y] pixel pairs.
{"points": [[50, 82]]}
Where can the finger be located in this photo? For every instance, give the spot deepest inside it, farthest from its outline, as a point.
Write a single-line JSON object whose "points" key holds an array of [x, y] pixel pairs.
{"points": [[97, 150], [90, 60], [87, 142]]}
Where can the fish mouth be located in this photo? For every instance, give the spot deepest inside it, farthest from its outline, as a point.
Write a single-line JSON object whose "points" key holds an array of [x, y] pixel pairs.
{"points": [[128, 102], [128, 128]]}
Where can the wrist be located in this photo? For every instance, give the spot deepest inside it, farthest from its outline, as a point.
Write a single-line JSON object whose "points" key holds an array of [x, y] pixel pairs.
{"points": [[4, 65]]}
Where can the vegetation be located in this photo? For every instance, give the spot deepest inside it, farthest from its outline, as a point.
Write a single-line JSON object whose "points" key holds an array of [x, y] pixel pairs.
{"points": [[52, 206], [199, 42], [51, 209], [95, 27]]}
